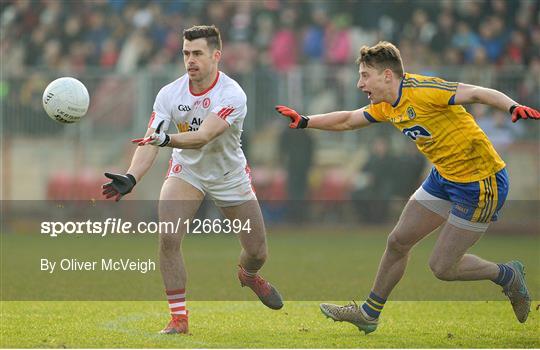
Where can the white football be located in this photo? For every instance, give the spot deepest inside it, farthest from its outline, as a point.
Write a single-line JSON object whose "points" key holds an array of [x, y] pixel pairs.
{"points": [[66, 100]]}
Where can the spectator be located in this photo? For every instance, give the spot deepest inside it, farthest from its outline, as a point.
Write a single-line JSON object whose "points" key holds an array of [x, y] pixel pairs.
{"points": [[96, 34], [133, 52], [313, 42], [411, 165], [445, 32], [283, 51], [69, 37], [378, 188], [516, 50], [84, 28], [297, 148], [420, 28], [466, 40], [263, 32], [497, 127], [534, 51], [338, 41], [492, 38], [109, 54]]}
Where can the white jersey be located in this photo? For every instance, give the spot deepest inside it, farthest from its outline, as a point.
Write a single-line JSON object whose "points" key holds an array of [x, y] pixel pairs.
{"points": [[176, 103]]}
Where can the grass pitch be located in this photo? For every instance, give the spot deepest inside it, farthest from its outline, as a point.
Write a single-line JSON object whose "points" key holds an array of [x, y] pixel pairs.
{"points": [[222, 324], [307, 266]]}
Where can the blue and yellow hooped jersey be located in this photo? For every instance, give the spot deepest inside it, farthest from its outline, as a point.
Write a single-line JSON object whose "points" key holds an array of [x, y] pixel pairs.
{"points": [[445, 133]]}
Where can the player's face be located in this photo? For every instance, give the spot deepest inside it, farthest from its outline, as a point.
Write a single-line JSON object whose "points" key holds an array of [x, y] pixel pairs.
{"points": [[200, 61], [373, 83]]}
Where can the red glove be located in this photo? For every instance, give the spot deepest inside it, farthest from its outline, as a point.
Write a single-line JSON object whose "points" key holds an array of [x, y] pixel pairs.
{"points": [[297, 121], [523, 112]]}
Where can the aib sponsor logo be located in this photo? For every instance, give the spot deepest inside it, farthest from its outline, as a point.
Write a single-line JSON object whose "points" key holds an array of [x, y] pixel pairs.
{"points": [[190, 126], [415, 132]]}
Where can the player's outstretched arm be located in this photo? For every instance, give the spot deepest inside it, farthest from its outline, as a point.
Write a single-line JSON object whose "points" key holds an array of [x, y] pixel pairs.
{"points": [[466, 94], [143, 158], [334, 121], [122, 184], [211, 127]]}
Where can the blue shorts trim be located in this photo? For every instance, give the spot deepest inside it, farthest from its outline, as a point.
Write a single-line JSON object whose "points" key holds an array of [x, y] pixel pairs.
{"points": [[478, 201]]}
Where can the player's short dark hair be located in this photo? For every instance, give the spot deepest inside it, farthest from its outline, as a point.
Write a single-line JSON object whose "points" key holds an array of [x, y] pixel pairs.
{"points": [[210, 33], [382, 56]]}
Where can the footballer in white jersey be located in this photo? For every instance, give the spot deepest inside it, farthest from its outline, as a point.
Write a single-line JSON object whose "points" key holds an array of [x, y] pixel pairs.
{"points": [[207, 109], [177, 104]]}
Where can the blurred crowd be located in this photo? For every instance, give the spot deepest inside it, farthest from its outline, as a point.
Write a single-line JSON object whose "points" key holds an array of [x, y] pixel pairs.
{"points": [[494, 43], [124, 35]]}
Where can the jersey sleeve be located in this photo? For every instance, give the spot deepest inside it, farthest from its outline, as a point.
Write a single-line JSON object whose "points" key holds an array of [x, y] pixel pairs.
{"points": [[440, 92], [231, 106], [160, 112], [373, 113]]}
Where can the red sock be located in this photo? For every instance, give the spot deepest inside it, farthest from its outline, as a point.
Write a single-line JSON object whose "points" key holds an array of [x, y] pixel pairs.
{"points": [[248, 273], [177, 301]]}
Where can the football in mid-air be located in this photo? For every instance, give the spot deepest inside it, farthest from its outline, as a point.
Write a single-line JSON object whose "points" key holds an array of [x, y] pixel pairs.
{"points": [[66, 100]]}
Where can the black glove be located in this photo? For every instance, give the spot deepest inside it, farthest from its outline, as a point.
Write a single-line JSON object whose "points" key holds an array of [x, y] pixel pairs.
{"points": [[119, 186]]}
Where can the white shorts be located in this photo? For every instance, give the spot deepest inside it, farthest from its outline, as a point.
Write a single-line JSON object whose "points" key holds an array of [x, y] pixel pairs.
{"points": [[444, 208], [233, 189]]}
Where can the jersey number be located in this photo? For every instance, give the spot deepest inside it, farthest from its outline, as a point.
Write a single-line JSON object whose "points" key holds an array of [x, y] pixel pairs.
{"points": [[415, 132]]}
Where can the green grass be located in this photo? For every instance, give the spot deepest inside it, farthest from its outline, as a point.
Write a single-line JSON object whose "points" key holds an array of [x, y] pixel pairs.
{"points": [[305, 265], [308, 266], [221, 324]]}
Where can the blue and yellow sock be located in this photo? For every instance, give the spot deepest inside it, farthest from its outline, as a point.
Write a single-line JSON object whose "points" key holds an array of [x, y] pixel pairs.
{"points": [[373, 305], [505, 275]]}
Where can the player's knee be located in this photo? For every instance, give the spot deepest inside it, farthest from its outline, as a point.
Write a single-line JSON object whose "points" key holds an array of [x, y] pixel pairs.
{"points": [[396, 245], [442, 271], [169, 243], [259, 254]]}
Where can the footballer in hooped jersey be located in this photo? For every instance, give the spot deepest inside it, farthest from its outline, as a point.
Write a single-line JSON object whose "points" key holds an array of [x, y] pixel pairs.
{"points": [[208, 109], [463, 193]]}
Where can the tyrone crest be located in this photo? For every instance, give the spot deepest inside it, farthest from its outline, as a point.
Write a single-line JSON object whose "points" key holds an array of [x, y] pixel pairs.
{"points": [[206, 102]]}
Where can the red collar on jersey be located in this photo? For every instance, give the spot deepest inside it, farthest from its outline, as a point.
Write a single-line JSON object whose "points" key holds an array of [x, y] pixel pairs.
{"points": [[206, 90]]}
